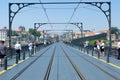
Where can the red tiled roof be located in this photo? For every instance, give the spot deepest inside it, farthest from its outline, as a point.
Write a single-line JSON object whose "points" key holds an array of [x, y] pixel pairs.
{"points": [[77, 33], [90, 33]]}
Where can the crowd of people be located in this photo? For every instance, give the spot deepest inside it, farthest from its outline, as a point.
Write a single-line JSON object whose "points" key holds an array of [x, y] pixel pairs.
{"points": [[17, 47], [31, 48], [99, 46]]}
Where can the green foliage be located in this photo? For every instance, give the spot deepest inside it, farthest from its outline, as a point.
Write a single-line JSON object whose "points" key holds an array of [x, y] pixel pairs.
{"points": [[114, 30], [38, 34], [34, 32], [91, 42], [31, 31], [24, 35], [118, 35], [15, 33]]}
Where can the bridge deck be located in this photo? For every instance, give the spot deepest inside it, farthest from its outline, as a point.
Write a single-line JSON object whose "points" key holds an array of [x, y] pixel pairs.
{"points": [[60, 62]]}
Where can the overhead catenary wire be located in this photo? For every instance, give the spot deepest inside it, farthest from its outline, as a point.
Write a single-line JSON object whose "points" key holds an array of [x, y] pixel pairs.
{"points": [[46, 13], [75, 9], [73, 14]]}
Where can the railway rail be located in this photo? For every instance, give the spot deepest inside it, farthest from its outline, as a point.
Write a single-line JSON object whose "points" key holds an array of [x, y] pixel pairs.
{"points": [[102, 69], [81, 76], [25, 68]]}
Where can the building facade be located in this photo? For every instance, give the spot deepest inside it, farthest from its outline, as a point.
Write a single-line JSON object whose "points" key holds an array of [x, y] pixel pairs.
{"points": [[3, 34]]}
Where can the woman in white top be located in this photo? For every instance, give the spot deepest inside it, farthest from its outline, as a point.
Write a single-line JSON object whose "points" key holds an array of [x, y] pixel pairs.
{"points": [[18, 49], [30, 46]]}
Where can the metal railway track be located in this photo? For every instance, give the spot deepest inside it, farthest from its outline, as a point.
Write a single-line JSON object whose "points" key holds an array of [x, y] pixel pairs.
{"points": [[18, 74], [106, 72], [79, 73], [46, 77], [81, 76]]}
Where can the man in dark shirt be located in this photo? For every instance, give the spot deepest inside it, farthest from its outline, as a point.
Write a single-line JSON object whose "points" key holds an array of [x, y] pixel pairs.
{"points": [[3, 50]]}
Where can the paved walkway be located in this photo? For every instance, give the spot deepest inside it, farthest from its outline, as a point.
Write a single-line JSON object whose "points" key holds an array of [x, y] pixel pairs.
{"points": [[113, 61]]}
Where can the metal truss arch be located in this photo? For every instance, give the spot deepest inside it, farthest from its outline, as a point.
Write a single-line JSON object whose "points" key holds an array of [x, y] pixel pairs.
{"points": [[106, 12], [19, 6], [97, 4], [78, 24]]}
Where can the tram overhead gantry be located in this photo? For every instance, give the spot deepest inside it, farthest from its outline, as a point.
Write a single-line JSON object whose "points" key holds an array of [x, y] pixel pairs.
{"points": [[99, 5], [61, 30], [78, 24]]}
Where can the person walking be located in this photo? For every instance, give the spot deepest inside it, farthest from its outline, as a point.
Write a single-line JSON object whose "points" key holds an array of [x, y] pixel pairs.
{"points": [[86, 44], [18, 49], [30, 47], [3, 51], [118, 46], [102, 48], [98, 48], [94, 47]]}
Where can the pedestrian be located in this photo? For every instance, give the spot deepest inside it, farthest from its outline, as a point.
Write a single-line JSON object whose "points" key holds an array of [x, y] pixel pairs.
{"points": [[45, 43], [18, 49], [86, 44], [98, 48], [102, 47], [3, 51], [33, 48], [118, 47], [95, 47], [30, 47]]}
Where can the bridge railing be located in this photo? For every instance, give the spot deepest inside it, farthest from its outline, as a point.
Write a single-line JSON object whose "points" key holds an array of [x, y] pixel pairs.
{"points": [[90, 50], [12, 58]]}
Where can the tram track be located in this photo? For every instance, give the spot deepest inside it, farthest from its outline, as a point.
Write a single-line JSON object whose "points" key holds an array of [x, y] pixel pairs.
{"points": [[103, 70], [48, 69], [25, 68], [58, 62], [79, 73], [46, 77]]}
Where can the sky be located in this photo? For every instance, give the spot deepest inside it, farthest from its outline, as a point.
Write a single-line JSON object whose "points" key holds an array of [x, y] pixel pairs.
{"points": [[91, 17]]}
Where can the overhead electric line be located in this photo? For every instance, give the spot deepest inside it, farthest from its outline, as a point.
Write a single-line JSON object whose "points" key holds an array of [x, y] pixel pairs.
{"points": [[75, 9], [73, 13], [46, 14]]}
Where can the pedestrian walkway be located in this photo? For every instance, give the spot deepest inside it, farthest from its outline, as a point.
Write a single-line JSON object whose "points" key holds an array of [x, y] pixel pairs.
{"points": [[13, 61], [112, 60]]}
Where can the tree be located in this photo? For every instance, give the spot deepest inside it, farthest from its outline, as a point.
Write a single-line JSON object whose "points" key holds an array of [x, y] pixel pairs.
{"points": [[115, 30], [38, 34], [33, 32], [15, 33]]}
